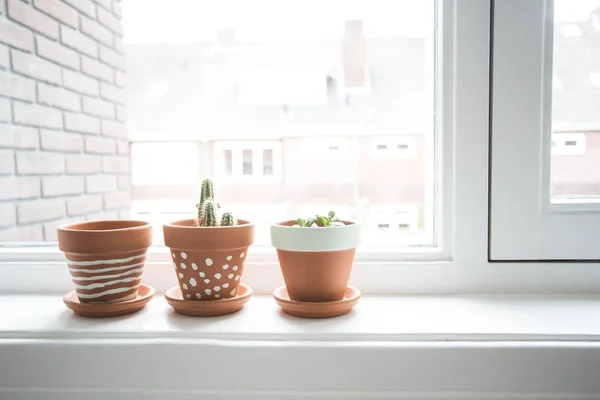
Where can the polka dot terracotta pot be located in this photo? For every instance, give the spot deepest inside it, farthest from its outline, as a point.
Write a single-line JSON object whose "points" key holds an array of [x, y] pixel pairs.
{"points": [[315, 262], [209, 261]]}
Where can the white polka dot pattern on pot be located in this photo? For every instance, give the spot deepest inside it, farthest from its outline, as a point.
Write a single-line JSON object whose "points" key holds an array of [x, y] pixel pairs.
{"points": [[217, 296], [194, 266], [193, 282], [242, 255], [188, 296], [237, 277], [225, 266], [183, 255], [229, 258], [181, 275], [230, 276], [232, 293], [201, 274], [198, 296], [184, 286], [174, 255], [235, 268], [217, 288], [207, 281], [225, 285], [182, 265], [208, 262], [218, 275], [207, 291]]}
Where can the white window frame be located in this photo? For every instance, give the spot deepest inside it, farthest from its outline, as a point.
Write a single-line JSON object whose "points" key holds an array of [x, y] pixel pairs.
{"points": [[237, 147], [526, 223], [460, 264]]}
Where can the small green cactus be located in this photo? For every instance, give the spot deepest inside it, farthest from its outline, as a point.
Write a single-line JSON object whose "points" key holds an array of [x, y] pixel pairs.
{"points": [[227, 219], [207, 192], [209, 214], [207, 208]]}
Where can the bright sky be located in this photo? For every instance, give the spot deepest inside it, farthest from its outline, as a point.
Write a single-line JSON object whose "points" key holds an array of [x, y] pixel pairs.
{"points": [[150, 21]]}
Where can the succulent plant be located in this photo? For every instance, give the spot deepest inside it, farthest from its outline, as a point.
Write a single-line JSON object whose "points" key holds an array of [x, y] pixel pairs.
{"points": [[227, 219], [207, 209], [320, 220]]}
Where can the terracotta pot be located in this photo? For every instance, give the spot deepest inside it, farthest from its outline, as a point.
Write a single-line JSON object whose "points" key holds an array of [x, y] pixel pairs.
{"points": [[105, 258], [209, 261], [315, 262]]}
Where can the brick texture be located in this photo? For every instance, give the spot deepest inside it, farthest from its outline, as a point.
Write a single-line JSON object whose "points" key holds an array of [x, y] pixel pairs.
{"points": [[96, 31], [35, 67], [61, 141], [37, 115], [19, 137], [62, 185], [32, 18], [40, 163], [84, 164], [4, 58], [41, 210], [80, 83], [58, 10], [64, 153], [100, 183], [58, 97], [75, 122], [15, 35], [83, 205], [57, 53], [16, 87], [78, 41]]}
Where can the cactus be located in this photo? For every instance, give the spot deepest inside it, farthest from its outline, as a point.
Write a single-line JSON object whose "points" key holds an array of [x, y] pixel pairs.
{"points": [[207, 209], [209, 214], [227, 219], [207, 192]]}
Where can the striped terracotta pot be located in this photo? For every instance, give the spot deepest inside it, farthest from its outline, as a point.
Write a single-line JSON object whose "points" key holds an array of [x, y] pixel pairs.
{"points": [[209, 261], [105, 258]]}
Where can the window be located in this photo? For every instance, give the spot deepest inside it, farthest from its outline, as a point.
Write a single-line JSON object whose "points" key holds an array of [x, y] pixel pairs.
{"points": [[549, 186], [454, 142], [239, 161]]}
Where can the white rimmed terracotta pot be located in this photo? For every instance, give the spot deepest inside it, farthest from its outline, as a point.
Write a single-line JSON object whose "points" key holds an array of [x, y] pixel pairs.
{"points": [[315, 262]]}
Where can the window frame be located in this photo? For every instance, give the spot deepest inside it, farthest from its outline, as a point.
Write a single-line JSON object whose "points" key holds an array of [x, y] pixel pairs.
{"points": [[460, 265], [525, 222]]}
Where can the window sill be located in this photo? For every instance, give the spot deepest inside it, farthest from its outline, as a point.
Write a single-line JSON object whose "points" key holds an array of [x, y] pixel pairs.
{"points": [[375, 318], [387, 347]]}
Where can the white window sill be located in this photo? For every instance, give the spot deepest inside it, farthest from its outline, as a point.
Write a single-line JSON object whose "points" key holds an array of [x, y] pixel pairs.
{"points": [[388, 347]]}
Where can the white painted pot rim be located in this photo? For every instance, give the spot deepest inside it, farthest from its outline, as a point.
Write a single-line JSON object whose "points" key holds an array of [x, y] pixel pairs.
{"points": [[315, 239]]}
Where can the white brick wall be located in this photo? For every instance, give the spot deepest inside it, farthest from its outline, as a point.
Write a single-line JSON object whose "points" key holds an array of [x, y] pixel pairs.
{"points": [[64, 154]]}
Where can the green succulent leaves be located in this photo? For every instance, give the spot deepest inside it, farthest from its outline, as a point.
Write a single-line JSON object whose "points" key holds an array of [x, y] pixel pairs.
{"points": [[322, 220]]}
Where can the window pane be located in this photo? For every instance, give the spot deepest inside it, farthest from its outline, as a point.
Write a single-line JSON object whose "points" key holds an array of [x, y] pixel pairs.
{"points": [[330, 106], [575, 147], [247, 162], [228, 162], [267, 162]]}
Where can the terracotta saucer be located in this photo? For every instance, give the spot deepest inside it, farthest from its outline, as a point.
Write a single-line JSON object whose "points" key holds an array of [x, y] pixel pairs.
{"points": [[325, 309], [103, 310], [208, 308]]}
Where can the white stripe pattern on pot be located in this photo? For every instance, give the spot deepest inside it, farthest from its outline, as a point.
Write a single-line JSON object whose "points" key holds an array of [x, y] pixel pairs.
{"points": [[104, 293], [104, 284], [102, 262], [96, 271], [99, 277]]}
